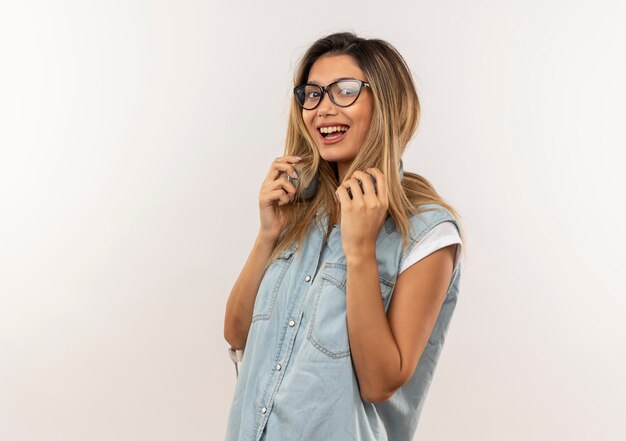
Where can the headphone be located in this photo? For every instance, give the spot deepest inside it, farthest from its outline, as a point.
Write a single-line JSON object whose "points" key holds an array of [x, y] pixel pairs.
{"points": [[309, 192]]}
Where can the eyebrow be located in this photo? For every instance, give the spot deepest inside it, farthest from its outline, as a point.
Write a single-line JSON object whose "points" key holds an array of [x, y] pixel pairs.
{"points": [[336, 79]]}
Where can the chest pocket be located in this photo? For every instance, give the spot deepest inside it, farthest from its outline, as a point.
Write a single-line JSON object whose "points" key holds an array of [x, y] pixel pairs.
{"points": [[328, 330], [270, 285]]}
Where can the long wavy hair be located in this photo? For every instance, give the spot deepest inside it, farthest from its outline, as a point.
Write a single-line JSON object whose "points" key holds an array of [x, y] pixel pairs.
{"points": [[395, 117]]}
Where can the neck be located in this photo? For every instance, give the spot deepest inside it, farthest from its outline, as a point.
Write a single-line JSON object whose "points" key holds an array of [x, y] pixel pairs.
{"points": [[336, 217], [341, 171]]}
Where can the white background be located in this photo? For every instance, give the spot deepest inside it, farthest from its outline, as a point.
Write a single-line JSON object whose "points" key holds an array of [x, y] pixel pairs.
{"points": [[134, 136]]}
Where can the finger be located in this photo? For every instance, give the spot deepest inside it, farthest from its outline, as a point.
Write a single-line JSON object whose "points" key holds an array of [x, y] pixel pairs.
{"points": [[381, 184], [288, 158], [342, 194], [282, 182], [280, 187], [355, 189], [282, 168], [289, 186], [283, 165], [279, 195], [368, 185]]}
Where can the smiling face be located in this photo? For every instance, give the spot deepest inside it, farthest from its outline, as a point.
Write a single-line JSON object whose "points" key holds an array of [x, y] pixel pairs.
{"points": [[357, 117]]}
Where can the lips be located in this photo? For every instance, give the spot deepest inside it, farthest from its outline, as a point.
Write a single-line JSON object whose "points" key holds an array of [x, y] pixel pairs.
{"points": [[334, 138], [332, 125]]}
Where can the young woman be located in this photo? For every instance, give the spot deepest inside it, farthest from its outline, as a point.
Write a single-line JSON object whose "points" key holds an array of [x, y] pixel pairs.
{"points": [[344, 302]]}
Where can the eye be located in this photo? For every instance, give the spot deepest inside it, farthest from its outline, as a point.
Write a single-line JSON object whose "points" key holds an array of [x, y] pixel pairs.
{"points": [[347, 88], [348, 91]]}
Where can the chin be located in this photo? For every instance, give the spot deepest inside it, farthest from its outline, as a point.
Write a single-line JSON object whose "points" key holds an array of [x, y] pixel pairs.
{"points": [[335, 158], [336, 153]]}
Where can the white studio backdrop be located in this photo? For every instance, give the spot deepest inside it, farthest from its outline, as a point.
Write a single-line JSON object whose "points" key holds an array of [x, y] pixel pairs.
{"points": [[134, 136]]}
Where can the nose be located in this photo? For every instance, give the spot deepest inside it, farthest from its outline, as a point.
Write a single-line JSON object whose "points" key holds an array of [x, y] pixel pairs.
{"points": [[325, 105]]}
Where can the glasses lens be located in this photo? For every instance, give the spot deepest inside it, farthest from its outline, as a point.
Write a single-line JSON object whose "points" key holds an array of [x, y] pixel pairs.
{"points": [[308, 95], [345, 92]]}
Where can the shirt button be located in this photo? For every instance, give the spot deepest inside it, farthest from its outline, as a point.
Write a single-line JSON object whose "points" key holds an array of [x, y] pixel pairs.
{"points": [[278, 367], [307, 278], [263, 410], [291, 323]]}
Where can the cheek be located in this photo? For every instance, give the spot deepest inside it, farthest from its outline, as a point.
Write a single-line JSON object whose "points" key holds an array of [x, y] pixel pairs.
{"points": [[366, 125], [308, 122], [311, 129], [362, 132]]}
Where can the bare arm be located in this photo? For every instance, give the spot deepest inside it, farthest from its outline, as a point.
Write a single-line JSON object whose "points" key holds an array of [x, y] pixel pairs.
{"points": [[240, 303], [386, 347], [275, 191]]}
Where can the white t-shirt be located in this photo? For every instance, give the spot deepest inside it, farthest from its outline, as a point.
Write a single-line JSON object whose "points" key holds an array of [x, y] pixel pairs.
{"points": [[439, 237]]}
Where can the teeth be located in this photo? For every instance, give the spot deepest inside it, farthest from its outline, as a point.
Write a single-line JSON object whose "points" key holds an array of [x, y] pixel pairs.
{"points": [[333, 129]]}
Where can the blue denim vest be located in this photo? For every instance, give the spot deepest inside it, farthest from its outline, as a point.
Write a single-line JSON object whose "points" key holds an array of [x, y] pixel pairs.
{"points": [[296, 380]]}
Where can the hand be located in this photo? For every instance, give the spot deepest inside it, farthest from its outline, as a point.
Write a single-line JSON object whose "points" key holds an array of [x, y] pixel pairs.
{"points": [[363, 216], [276, 191]]}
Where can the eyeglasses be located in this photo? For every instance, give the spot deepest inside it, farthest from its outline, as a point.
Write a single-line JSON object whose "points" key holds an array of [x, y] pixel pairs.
{"points": [[343, 93]]}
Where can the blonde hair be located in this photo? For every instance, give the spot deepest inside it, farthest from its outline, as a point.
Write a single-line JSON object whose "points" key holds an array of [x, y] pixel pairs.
{"points": [[395, 117]]}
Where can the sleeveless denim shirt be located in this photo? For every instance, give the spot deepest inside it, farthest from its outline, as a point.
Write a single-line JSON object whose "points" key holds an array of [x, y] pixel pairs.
{"points": [[296, 380]]}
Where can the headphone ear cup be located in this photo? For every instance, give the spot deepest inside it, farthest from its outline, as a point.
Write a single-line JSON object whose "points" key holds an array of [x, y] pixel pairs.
{"points": [[309, 192]]}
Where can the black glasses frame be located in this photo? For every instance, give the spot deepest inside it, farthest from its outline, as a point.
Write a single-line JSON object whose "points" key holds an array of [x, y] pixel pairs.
{"points": [[326, 89]]}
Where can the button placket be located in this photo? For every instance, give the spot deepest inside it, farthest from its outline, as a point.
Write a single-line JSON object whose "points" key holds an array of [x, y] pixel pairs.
{"points": [[278, 368]]}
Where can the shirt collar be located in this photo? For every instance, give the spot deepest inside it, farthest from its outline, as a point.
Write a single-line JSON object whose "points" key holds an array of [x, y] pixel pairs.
{"points": [[322, 221]]}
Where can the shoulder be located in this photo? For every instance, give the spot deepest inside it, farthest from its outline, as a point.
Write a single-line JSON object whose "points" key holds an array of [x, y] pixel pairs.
{"points": [[428, 216]]}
